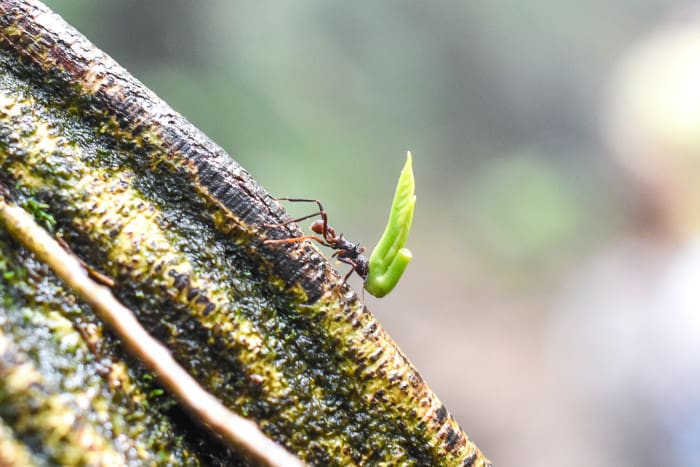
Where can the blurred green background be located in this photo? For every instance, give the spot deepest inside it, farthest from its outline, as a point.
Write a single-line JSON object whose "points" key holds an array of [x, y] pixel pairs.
{"points": [[500, 103], [322, 100]]}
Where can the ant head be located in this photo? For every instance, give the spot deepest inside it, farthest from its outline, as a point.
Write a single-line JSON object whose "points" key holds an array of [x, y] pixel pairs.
{"points": [[362, 266], [317, 226]]}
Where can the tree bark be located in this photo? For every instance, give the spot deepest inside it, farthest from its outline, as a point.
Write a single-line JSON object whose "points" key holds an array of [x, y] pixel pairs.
{"points": [[175, 227]]}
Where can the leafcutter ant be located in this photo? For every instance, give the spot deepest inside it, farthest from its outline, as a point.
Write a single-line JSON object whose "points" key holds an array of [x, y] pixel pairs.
{"points": [[346, 252]]}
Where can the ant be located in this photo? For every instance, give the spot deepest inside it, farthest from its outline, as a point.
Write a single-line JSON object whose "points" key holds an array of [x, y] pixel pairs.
{"points": [[346, 252]]}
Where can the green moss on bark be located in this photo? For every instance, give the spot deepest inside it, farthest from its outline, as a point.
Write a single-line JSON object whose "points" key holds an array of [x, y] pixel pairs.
{"points": [[145, 199]]}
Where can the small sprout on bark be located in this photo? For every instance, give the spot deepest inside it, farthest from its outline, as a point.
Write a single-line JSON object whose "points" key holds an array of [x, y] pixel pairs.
{"points": [[40, 213]]}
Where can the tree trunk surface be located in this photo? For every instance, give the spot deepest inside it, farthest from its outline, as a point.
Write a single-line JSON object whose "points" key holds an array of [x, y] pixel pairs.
{"points": [[175, 228]]}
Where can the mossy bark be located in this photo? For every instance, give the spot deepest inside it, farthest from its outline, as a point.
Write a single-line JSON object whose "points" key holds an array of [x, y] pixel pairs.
{"points": [[150, 202]]}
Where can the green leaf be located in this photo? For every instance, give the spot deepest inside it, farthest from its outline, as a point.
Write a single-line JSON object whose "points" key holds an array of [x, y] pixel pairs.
{"points": [[389, 259]]}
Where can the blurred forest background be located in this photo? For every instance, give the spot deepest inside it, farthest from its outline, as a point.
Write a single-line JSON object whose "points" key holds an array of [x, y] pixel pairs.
{"points": [[552, 302]]}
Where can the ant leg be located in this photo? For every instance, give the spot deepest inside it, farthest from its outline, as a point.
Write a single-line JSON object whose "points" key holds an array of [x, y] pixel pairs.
{"points": [[296, 240], [345, 279], [321, 212], [302, 200], [351, 263], [293, 220]]}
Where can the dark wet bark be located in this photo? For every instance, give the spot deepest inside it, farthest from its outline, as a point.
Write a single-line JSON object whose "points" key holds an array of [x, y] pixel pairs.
{"points": [[145, 199]]}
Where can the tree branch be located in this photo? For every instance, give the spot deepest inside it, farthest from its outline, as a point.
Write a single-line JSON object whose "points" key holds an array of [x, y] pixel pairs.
{"points": [[146, 199]]}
